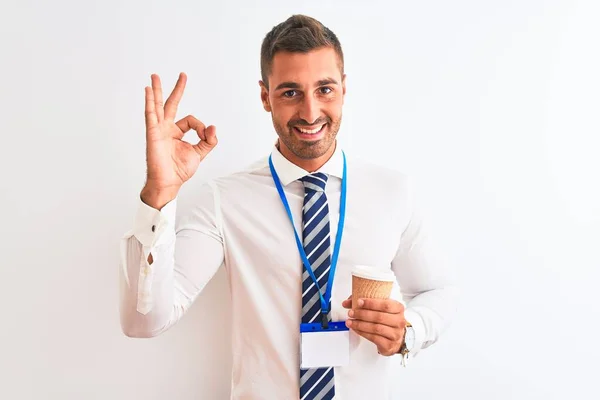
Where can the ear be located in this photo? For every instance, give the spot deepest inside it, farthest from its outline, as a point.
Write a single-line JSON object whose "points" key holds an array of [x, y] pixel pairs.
{"points": [[344, 84], [264, 96]]}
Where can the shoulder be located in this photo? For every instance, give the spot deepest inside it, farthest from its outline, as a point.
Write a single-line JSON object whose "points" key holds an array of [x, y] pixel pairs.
{"points": [[237, 184], [250, 172], [203, 197], [376, 175]]}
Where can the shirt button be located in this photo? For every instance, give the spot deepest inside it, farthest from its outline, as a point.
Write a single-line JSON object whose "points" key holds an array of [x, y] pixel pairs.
{"points": [[153, 228]]}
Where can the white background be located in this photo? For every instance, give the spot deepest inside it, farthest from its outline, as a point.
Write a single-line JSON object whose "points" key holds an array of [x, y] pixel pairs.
{"points": [[491, 105]]}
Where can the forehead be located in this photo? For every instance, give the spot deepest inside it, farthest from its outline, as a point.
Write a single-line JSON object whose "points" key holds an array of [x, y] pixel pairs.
{"points": [[304, 68]]}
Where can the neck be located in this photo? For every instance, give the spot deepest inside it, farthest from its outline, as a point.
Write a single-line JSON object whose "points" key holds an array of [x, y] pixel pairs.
{"points": [[311, 165]]}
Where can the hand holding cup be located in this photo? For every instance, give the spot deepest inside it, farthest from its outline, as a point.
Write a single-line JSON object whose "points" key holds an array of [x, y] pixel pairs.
{"points": [[373, 315]]}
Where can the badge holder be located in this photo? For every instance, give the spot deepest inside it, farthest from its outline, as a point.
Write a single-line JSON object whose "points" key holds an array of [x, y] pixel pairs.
{"points": [[324, 346]]}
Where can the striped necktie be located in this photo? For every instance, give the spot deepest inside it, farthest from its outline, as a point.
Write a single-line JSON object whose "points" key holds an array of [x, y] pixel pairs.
{"points": [[317, 383]]}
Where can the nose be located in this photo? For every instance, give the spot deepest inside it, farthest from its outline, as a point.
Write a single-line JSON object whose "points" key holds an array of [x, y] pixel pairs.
{"points": [[309, 110]]}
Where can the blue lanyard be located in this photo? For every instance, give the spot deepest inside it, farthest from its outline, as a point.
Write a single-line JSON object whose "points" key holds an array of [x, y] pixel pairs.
{"points": [[338, 240]]}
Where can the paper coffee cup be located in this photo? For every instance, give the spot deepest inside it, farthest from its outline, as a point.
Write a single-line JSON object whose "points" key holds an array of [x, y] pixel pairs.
{"points": [[371, 283]]}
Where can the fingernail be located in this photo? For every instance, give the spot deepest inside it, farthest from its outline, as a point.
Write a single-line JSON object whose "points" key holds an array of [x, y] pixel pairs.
{"points": [[351, 313], [361, 302], [348, 323]]}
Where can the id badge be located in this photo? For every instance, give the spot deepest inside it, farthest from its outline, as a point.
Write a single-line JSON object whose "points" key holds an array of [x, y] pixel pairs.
{"points": [[324, 347]]}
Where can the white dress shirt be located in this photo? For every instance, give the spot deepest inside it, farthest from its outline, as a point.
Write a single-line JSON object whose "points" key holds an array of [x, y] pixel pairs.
{"points": [[239, 222]]}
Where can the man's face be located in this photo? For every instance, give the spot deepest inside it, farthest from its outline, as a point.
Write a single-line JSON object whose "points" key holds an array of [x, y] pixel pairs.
{"points": [[305, 98]]}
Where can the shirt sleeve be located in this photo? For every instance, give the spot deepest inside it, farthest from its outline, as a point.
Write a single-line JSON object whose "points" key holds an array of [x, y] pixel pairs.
{"points": [[425, 280], [186, 252]]}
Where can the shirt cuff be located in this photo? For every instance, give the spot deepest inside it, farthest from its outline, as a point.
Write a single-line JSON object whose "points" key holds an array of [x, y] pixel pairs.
{"points": [[150, 224], [418, 325]]}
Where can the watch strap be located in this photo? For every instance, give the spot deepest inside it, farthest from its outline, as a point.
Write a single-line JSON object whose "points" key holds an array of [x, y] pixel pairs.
{"points": [[404, 351]]}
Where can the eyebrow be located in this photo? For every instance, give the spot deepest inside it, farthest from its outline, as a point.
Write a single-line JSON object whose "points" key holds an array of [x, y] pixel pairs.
{"points": [[294, 85]]}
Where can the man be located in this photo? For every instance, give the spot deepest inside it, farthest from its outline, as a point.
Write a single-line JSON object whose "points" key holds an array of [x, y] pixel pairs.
{"points": [[281, 278]]}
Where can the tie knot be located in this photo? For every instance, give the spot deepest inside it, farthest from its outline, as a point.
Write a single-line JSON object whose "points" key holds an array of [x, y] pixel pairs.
{"points": [[315, 182]]}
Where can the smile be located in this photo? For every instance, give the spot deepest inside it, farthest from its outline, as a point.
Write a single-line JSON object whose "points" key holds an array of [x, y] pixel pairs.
{"points": [[305, 131]]}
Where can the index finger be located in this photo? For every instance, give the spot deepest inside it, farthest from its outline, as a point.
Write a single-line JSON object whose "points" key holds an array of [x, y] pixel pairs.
{"points": [[173, 101], [149, 112], [384, 305]]}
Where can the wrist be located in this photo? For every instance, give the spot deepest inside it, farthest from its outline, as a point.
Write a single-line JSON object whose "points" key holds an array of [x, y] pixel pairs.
{"points": [[402, 342], [405, 347], [158, 197]]}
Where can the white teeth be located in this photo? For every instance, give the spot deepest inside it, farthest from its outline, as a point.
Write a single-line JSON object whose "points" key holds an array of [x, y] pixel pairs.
{"points": [[310, 132]]}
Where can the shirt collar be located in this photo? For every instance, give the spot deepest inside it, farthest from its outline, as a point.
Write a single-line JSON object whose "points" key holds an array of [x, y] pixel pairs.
{"points": [[289, 172]]}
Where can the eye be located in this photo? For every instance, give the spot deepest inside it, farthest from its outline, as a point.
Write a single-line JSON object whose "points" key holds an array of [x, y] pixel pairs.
{"points": [[325, 90], [289, 93]]}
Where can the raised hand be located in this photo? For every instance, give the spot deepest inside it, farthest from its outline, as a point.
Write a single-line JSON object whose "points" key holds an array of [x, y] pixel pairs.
{"points": [[170, 160]]}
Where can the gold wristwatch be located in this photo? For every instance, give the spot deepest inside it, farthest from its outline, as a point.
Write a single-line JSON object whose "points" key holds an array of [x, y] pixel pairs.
{"points": [[409, 342]]}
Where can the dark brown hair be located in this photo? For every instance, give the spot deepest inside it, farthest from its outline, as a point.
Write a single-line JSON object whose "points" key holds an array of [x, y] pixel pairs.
{"points": [[297, 34]]}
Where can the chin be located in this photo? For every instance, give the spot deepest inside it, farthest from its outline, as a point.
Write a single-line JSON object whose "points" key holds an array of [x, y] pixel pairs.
{"points": [[312, 149]]}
